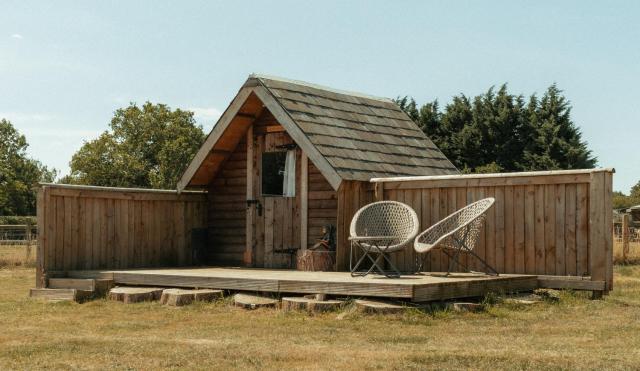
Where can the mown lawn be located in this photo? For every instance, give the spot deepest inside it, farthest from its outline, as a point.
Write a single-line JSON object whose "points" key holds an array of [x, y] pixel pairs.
{"points": [[574, 333]]}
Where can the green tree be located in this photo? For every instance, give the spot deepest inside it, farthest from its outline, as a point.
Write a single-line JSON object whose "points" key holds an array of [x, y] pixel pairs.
{"points": [[635, 190], [19, 174], [498, 131], [148, 146]]}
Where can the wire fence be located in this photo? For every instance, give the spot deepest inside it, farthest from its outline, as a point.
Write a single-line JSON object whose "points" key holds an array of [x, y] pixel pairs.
{"points": [[634, 234], [18, 234]]}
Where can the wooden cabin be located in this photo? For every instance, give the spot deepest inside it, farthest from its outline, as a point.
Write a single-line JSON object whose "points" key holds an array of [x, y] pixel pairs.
{"points": [[283, 157], [287, 159]]}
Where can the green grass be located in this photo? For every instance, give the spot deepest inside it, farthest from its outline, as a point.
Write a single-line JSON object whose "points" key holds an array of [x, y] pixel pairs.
{"points": [[575, 332]]}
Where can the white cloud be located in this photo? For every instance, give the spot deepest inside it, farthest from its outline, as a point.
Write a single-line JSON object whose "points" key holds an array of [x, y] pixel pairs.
{"points": [[208, 114], [17, 36], [207, 117]]}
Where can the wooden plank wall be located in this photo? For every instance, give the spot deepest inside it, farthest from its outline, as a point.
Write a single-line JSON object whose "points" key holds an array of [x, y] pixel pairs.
{"points": [[322, 203], [547, 223], [227, 210], [352, 195], [85, 228]]}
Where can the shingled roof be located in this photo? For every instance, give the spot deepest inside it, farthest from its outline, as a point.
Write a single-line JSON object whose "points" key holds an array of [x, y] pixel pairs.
{"points": [[359, 136]]}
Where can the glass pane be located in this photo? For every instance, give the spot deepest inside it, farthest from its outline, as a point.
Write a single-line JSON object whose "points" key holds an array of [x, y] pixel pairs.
{"points": [[273, 167]]}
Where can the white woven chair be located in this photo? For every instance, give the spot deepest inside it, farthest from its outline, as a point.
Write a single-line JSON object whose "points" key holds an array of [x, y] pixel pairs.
{"points": [[457, 232], [378, 229]]}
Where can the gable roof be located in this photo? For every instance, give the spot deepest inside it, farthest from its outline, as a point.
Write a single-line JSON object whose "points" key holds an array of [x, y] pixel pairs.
{"points": [[348, 136]]}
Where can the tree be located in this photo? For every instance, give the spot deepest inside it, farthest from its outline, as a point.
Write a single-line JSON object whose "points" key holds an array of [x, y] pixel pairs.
{"points": [[19, 174], [148, 146], [498, 131], [635, 190]]}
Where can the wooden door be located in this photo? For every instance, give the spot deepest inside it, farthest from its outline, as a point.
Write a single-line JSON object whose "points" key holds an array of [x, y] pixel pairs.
{"points": [[274, 220]]}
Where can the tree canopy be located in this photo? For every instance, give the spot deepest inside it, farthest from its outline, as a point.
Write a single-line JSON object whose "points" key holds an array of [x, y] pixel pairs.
{"points": [[19, 174], [148, 146], [623, 201], [499, 131]]}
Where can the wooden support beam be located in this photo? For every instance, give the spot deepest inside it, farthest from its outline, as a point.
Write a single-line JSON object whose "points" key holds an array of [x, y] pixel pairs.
{"points": [[248, 257], [304, 201], [625, 236]]}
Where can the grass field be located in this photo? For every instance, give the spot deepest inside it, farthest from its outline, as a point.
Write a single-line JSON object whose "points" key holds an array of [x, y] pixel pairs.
{"points": [[574, 333], [17, 256]]}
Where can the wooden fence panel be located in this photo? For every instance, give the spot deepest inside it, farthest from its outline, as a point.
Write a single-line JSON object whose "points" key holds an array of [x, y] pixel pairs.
{"points": [[546, 223], [85, 228]]}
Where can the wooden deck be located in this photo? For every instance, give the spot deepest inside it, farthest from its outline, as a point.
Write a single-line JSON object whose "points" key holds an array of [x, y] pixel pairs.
{"points": [[422, 287]]}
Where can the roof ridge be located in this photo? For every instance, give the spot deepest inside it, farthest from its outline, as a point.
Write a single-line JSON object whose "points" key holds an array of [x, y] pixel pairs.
{"points": [[320, 87]]}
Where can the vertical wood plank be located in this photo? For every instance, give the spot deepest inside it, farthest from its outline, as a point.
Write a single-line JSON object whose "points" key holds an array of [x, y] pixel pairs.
{"points": [[68, 233], [425, 222], [560, 200], [269, 223], [481, 250], [597, 231], [41, 222], [80, 232], [249, 252], [499, 229], [519, 211], [304, 200], [570, 230], [434, 201], [52, 243], [582, 229], [539, 229], [416, 203], [343, 248], [60, 223], [88, 222], [550, 229], [608, 225], [509, 229], [461, 202]]}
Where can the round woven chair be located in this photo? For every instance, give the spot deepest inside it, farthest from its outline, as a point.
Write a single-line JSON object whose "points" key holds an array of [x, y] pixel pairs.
{"points": [[378, 229], [458, 232]]}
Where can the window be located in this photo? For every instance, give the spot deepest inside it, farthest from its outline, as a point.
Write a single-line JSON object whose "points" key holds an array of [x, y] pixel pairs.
{"points": [[279, 173]]}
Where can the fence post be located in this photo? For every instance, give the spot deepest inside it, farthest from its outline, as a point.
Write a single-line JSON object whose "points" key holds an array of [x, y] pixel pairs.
{"points": [[625, 236], [27, 236]]}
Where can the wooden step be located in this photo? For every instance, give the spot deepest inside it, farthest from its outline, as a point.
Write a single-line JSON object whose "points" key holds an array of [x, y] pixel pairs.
{"points": [[60, 294], [379, 307], [180, 297], [72, 283], [129, 295], [100, 286], [309, 304], [248, 301]]}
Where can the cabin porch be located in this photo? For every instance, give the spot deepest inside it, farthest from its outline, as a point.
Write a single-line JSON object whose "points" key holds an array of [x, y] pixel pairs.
{"points": [[421, 287]]}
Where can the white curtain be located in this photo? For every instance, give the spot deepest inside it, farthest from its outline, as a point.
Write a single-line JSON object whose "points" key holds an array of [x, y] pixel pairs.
{"points": [[289, 182]]}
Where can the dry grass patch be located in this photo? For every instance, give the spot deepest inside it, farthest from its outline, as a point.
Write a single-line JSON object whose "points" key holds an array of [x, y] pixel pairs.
{"points": [[633, 257], [17, 256], [574, 333]]}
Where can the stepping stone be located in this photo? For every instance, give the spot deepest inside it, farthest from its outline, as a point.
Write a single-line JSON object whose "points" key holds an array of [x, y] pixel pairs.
{"points": [[527, 299], [180, 297], [466, 307], [248, 301], [130, 295], [379, 307], [309, 304], [55, 295], [548, 294]]}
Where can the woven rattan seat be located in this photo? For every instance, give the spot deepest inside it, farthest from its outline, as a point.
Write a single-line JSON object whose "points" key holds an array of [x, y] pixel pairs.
{"points": [[381, 228], [458, 232]]}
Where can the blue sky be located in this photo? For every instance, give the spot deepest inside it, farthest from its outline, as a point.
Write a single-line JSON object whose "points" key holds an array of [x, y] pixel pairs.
{"points": [[66, 66]]}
